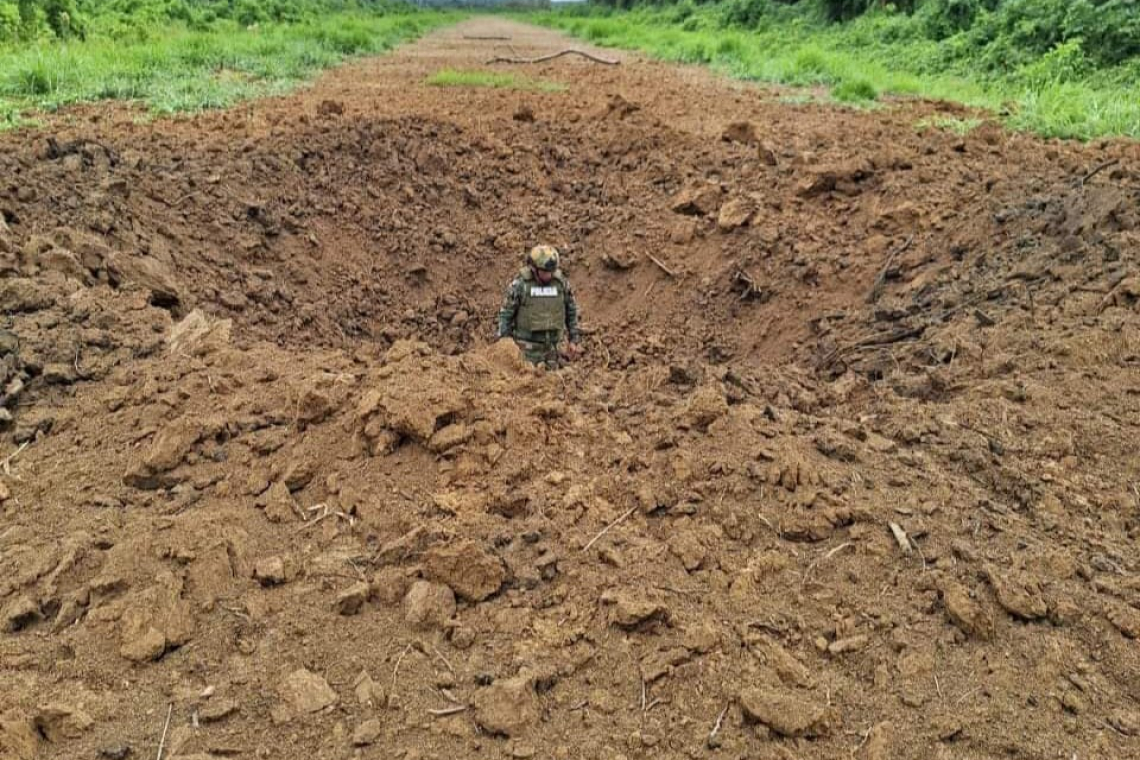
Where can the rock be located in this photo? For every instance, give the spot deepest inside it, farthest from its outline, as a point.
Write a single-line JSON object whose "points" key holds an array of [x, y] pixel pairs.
{"points": [[303, 691], [773, 654], [59, 374], [199, 335], [848, 644], [473, 573], [270, 571], [315, 406], [147, 273], [429, 605], [706, 406], [216, 710], [447, 438], [352, 599], [367, 733], [9, 343], [1126, 620], [733, 214], [630, 611], [368, 692], [173, 443], [686, 545], [784, 713], [618, 261], [278, 504], [697, 200], [389, 585], [115, 752], [845, 179], [142, 644], [1019, 596], [18, 737], [5, 492], [506, 708], [20, 613], [168, 450], [65, 262], [20, 294], [967, 614], [741, 132], [766, 155], [299, 473], [58, 722], [155, 620]]}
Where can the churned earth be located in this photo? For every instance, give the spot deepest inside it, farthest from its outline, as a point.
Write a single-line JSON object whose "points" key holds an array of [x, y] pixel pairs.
{"points": [[849, 467]]}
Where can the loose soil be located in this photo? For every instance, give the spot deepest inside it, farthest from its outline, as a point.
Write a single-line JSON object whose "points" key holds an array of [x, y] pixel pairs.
{"points": [[848, 467]]}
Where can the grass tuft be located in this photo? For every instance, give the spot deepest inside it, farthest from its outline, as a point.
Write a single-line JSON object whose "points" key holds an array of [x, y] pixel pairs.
{"points": [[1058, 94], [179, 69], [854, 91], [498, 80]]}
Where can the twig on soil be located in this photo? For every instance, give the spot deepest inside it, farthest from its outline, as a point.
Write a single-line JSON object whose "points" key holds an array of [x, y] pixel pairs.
{"points": [[485, 37], [901, 538], [881, 280], [829, 555], [11, 457], [443, 659], [656, 701], [717, 725], [559, 54], [396, 668], [1098, 169], [447, 711], [661, 264], [162, 741], [876, 340], [607, 529], [837, 549], [938, 688]]}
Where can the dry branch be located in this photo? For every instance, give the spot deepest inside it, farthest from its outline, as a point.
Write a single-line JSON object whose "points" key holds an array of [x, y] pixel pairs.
{"points": [[606, 529], [881, 280], [901, 537], [1098, 169], [559, 54], [162, 741], [661, 265]]}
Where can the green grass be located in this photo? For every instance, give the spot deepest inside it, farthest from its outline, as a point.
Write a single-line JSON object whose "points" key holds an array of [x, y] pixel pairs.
{"points": [[466, 78], [877, 55], [181, 70]]}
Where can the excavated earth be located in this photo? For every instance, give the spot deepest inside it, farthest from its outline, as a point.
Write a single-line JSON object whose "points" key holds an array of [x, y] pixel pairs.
{"points": [[849, 467]]}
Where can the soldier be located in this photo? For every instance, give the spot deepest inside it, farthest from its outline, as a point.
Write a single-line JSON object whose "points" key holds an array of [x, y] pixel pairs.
{"points": [[540, 310]]}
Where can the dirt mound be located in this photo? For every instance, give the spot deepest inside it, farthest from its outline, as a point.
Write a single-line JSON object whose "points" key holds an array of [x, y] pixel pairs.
{"points": [[848, 467]]}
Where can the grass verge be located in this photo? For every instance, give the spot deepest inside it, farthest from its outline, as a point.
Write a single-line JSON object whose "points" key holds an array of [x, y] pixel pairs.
{"points": [[182, 70], [466, 78], [872, 57]]}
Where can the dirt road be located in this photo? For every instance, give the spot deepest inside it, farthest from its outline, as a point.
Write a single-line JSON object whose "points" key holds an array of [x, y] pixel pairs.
{"points": [[848, 468]]}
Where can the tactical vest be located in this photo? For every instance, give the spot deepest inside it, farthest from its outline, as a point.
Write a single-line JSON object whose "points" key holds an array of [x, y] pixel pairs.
{"points": [[542, 308]]}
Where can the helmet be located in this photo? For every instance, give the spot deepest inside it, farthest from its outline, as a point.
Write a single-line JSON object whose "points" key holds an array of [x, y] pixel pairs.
{"points": [[544, 257]]}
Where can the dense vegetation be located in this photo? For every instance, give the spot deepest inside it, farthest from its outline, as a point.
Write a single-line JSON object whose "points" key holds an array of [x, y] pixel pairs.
{"points": [[1059, 67], [176, 55]]}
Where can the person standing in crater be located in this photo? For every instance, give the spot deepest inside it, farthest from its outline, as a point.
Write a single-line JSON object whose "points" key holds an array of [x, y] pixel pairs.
{"points": [[539, 310]]}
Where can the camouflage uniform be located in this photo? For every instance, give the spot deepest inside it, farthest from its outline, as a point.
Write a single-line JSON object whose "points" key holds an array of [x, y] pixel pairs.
{"points": [[538, 315]]}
